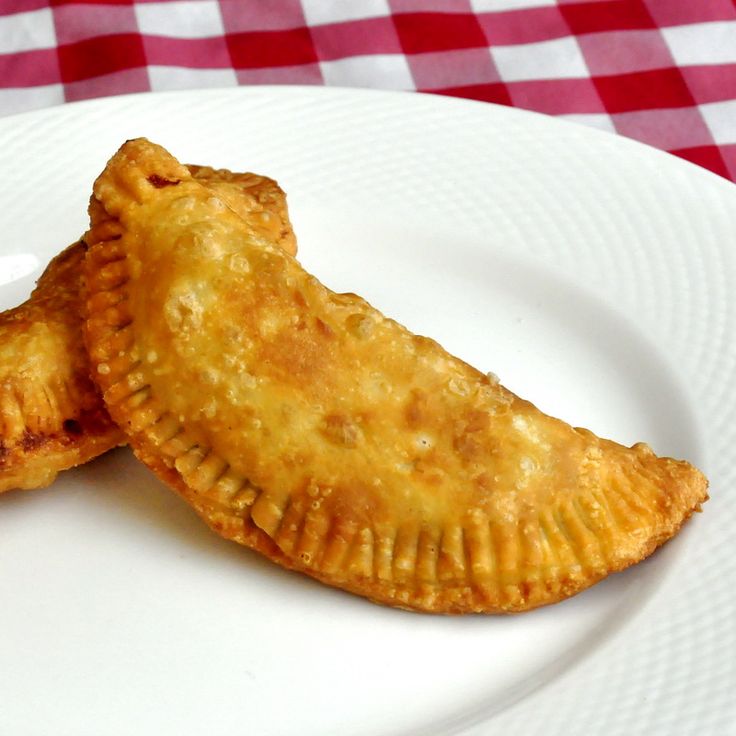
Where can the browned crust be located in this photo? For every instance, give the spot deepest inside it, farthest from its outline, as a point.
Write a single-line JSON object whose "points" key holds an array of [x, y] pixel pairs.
{"points": [[455, 552]]}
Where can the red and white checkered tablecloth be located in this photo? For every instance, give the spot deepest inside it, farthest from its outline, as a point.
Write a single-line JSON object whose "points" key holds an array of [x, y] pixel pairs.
{"points": [[660, 71]]}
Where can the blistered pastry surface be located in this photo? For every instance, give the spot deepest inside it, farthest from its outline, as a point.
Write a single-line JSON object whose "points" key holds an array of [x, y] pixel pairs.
{"points": [[372, 458]]}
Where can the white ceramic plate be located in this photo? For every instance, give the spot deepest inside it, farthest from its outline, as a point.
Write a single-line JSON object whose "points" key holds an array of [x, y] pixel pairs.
{"points": [[594, 275]]}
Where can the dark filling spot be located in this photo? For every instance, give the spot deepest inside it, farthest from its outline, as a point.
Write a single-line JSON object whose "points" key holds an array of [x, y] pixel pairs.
{"points": [[159, 182], [31, 441], [3, 453], [72, 426]]}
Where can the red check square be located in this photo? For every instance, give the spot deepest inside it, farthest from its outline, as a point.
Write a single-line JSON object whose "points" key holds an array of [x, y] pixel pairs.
{"points": [[261, 16], [356, 38], [78, 22], [622, 52], [430, 6], [192, 53], [9, 7], [118, 83], [58, 3], [679, 12], [523, 26], [94, 57], [29, 68], [709, 157], [425, 32], [442, 69], [668, 129], [616, 15], [728, 153], [644, 90], [556, 96], [710, 83], [484, 92], [261, 49], [301, 74]]}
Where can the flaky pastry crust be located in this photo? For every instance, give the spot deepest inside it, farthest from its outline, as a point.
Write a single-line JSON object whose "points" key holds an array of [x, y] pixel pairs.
{"points": [[52, 416], [307, 425]]}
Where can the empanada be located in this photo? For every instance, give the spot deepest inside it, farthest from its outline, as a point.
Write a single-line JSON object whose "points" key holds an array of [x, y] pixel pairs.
{"points": [[51, 415], [307, 425]]}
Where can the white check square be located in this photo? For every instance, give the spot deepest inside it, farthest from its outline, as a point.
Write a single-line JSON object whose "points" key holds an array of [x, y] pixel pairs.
{"points": [[702, 43], [560, 58], [22, 99], [27, 31], [317, 12], [383, 71], [720, 117], [180, 19], [176, 77], [496, 6], [602, 120]]}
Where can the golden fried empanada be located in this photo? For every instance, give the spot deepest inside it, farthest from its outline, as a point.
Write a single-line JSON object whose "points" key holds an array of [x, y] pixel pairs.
{"points": [[307, 425], [51, 415]]}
